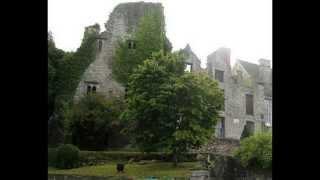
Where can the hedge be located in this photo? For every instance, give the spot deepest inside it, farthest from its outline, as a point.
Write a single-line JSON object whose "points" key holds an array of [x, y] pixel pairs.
{"points": [[96, 157]]}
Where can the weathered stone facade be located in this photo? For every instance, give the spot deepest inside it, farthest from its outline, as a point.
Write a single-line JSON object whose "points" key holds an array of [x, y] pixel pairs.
{"points": [[244, 82], [243, 79], [121, 24]]}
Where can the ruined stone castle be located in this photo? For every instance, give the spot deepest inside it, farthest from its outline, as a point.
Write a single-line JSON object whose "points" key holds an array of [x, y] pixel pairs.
{"points": [[247, 86]]}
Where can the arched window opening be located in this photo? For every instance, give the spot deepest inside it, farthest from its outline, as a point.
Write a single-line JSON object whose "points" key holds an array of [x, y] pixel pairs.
{"points": [[88, 89], [94, 89]]}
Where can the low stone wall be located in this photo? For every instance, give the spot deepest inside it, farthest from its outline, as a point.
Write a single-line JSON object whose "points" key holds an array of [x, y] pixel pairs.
{"points": [[219, 146]]}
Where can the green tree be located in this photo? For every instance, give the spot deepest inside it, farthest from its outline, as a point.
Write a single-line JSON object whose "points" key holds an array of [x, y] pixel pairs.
{"points": [[92, 119], [256, 151], [74, 65], [55, 57], [169, 109], [148, 38]]}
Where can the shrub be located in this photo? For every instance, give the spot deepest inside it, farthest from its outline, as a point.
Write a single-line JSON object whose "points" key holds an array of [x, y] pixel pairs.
{"points": [[256, 151], [95, 157], [52, 156], [68, 156], [93, 119]]}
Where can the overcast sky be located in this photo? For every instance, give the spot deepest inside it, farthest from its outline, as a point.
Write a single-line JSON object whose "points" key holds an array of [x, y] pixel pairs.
{"points": [[244, 26]]}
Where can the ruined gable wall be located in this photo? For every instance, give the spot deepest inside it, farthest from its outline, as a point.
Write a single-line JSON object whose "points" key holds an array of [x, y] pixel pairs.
{"points": [[235, 94], [122, 22]]}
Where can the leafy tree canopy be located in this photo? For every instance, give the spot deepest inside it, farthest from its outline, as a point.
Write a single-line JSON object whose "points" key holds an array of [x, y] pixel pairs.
{"points": [[92, 119], [256, 151], [168, 108]]}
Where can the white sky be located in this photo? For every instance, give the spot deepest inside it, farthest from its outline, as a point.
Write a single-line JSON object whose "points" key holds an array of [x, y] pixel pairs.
{"points": [[244, 26]]}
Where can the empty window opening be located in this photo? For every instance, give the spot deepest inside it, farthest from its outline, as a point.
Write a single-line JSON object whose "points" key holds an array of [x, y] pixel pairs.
{"points": [[188, 67], [249, 104], [94, 89], [248, 130], [110, 92], [91, 88], [219, 75], [88, 89], [221, 128], [131, 44], [100, 45]]}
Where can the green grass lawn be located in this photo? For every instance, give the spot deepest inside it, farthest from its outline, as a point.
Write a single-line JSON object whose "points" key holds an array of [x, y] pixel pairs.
{"points": [[158, 169]]}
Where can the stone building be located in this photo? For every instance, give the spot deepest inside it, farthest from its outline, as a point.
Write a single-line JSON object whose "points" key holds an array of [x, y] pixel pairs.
{"points": [[247, 86], [121, 24]]}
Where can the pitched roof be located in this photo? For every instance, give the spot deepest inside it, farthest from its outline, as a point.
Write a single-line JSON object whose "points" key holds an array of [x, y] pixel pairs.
{"points": [[187, 51], [252, 69]]}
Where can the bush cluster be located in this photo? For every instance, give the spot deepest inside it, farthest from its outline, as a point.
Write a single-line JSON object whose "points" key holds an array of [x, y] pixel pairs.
{"points": [[67, 156], [256, 151], [95, 157]]}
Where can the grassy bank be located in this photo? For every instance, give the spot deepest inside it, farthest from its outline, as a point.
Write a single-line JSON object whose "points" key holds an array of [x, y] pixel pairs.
{"points": [[158, 169]]}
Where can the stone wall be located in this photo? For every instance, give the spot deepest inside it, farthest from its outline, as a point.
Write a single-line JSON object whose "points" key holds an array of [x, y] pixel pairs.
{"points": [[237, 82], [122, 22]]}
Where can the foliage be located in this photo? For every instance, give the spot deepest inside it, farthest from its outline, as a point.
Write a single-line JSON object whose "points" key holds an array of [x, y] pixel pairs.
{"points": [[55, 131], [94, 157], [158, 169], [52, 156], [256, 151], [92, 119], [168, 108], [64, 73], [67, 156], [72, 68], [55, 57], [149, 37]]}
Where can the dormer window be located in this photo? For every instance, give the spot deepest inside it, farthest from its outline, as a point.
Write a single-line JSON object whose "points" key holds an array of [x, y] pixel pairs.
{"points": [[188, 67], [131, 44]]}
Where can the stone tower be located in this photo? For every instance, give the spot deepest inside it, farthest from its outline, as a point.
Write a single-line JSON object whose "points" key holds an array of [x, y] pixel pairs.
{"points": [[121, 24]]}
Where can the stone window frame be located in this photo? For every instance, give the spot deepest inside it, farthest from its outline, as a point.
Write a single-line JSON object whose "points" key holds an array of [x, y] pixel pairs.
{"points": [[91, 87], [219, 75], [251, 112], [191, 67], [268, 103], [100, 44], [132, 44], [221, 128]]}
